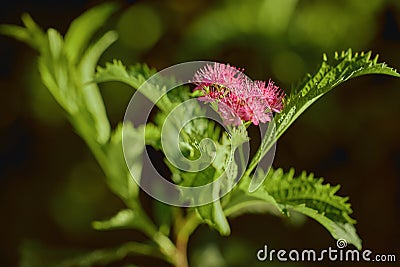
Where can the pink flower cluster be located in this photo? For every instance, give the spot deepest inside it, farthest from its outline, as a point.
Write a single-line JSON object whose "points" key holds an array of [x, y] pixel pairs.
{"points": [[239, 99]]}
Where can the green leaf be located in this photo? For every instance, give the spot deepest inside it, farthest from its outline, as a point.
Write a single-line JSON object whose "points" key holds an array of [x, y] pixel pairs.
{"points": [[67, 99], [153, 135], [136, 76], [242, 201], [56, 44], [308, 190], [124, 219], [118, 176], [331, 74], [90, 91], [17, 32], [338, 230], [104, 257], [343, 68], [68, 74], [32, 34], [83, 28], [154, 89], [282, 193], [56, 74], [240, 204], [39, 255], [213, 214], [117, 71]]}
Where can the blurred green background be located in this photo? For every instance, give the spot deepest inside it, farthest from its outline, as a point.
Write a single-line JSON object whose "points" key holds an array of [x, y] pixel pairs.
{"points": [[51, 188]]}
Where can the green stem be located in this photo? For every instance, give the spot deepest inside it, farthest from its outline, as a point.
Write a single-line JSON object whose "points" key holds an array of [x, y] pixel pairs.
{"points": [[265, 146], [184, 227], [166, 246]]}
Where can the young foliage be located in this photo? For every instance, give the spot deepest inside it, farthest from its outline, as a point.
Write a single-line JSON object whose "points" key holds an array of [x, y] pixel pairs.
{"points": [[135, 76], [343, 67], [191, 135], [119, 179], [67, 66]]}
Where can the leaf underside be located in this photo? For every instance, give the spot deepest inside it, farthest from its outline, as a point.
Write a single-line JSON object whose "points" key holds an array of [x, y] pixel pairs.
{"points": [[282, 193]]}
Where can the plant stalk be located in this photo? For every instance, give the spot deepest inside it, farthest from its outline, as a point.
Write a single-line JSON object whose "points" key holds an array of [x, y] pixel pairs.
{"points": [[184, 227]]}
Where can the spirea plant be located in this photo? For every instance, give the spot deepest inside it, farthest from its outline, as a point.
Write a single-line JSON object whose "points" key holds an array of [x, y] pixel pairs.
{"points": [[68, 68]]}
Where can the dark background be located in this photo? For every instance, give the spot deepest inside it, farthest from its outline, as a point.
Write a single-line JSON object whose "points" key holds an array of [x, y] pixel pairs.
{"points": [[51, 188]]}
